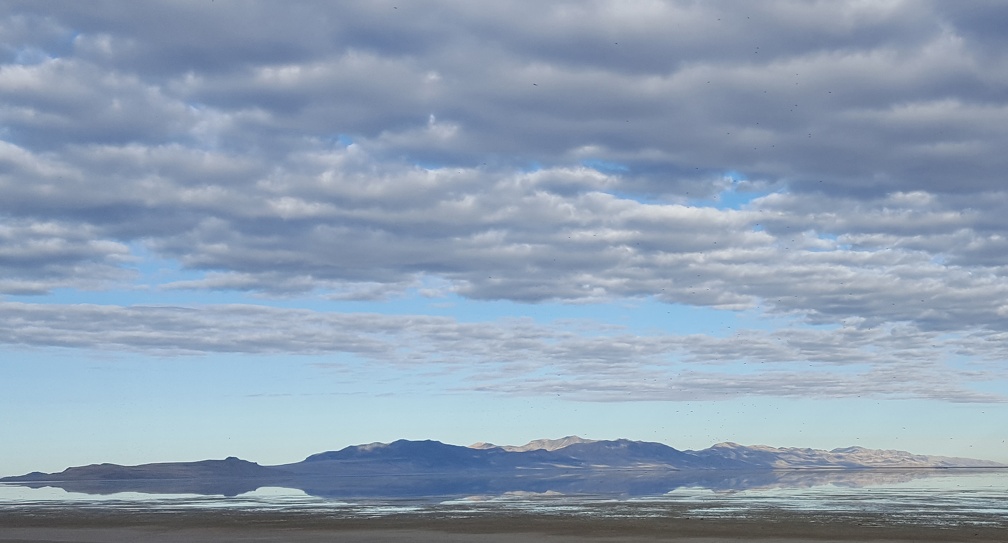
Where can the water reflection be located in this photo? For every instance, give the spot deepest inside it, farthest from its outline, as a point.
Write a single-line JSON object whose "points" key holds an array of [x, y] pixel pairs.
{"points": [[620, 483], [925, 497]]}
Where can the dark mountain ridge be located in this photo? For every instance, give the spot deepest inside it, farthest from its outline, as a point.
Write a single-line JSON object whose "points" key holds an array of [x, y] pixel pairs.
{"points": [[229, 467]]}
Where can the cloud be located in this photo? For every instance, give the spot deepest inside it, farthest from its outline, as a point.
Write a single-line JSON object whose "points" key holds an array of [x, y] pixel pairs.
{"points": [[836, 164], [335, 220], [581, 360], [39, 256], [862, 99]]}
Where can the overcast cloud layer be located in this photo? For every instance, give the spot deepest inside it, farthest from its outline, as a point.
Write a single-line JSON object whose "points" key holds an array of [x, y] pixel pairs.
{"points": [[838, 164]]}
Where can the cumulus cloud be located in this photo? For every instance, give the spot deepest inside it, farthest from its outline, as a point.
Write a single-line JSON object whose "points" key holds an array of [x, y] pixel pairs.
{"points": [[337, 219], [839, 164], [864, 99], [39, 256]]}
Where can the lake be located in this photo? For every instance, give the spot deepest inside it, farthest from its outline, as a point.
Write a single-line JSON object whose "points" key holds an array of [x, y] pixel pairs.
{"points": [[938, 498]]}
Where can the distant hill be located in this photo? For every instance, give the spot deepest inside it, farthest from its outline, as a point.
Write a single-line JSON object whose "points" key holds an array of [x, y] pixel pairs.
{"points": [[730, 455], [428, 468], [544, 444], [230, 476], [761, 456]]}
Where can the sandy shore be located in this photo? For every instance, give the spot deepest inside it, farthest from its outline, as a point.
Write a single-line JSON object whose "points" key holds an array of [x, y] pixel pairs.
{"points": [[52, 525]]}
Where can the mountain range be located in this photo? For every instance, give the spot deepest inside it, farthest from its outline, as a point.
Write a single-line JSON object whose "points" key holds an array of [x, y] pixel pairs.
{"points": [[567, 465]]}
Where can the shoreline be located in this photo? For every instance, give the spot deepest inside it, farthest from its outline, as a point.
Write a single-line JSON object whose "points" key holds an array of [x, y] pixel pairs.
{"points": [[72, 525]]}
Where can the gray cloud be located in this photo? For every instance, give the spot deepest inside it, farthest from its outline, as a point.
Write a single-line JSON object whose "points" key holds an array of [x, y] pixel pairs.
{"points": [[39, 256], [862, 98], [337, 219]]}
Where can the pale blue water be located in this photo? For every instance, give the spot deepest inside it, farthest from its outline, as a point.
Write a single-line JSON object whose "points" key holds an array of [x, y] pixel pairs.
{"points": [[934, 498]]}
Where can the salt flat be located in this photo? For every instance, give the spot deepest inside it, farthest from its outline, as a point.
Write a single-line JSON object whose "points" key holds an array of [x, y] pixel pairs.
{"points": [[114, 528]]}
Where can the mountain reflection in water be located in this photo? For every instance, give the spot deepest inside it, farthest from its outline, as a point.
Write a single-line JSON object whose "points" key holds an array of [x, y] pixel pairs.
{"points": [[612, 483], [975, 497]]}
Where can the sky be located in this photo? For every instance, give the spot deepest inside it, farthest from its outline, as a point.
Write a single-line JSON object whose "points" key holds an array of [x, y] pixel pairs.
{"points": [[270, 229]]}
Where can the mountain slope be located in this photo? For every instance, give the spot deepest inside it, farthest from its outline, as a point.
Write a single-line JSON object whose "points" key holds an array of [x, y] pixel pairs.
{"points": [[228, 477], [535, 445]]}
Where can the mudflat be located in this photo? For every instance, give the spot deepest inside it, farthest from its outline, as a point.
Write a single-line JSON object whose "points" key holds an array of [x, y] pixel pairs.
{"points": [[75, 525]]}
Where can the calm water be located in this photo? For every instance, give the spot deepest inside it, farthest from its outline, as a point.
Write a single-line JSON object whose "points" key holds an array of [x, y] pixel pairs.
{"points": [[929, 498]]}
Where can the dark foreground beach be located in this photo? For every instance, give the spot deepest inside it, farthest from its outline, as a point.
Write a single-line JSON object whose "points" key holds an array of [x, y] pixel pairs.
{"points": [[77, 525]]}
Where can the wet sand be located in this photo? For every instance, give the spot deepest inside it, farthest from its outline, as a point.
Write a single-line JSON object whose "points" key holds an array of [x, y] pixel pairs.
{"points": [[53, 525]]}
